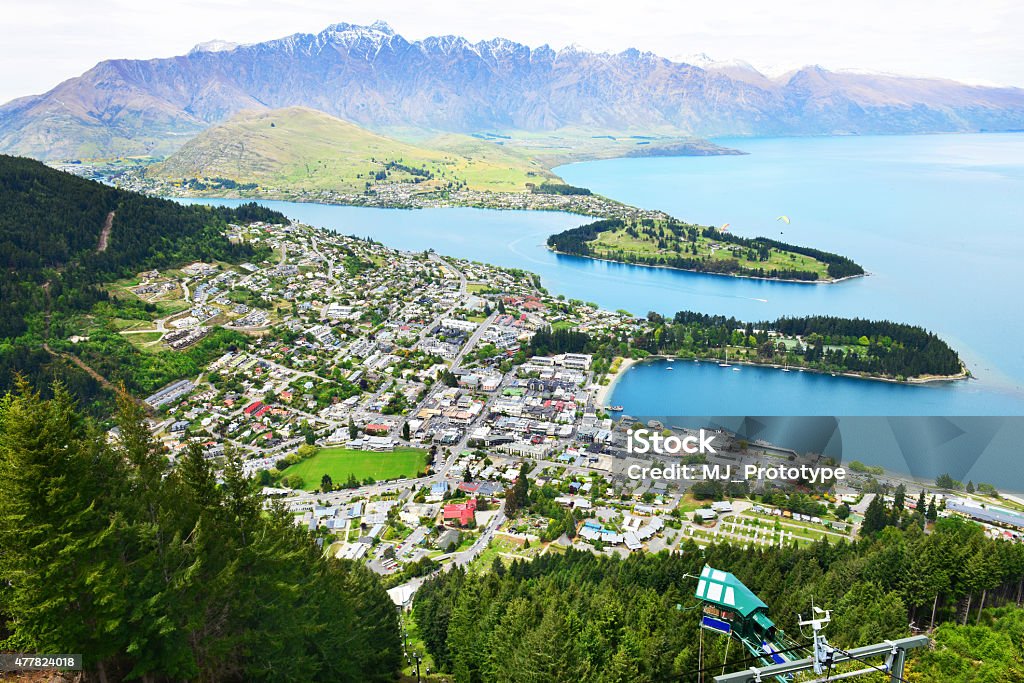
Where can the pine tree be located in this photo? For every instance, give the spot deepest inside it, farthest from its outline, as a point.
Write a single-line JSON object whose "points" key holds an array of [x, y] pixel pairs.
{"points": [[54, 530], [876, 517], [519, 496], [899, 499]]}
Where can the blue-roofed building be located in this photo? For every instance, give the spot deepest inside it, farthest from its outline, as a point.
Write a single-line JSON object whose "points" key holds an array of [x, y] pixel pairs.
{"points": [[986, 514]]}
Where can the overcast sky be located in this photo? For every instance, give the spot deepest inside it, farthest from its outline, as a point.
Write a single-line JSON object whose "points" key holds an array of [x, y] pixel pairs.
{"points": [[43, 42]]}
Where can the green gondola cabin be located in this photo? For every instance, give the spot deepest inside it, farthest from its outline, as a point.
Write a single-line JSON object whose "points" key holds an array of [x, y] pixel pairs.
{"points": [[732, 608]]}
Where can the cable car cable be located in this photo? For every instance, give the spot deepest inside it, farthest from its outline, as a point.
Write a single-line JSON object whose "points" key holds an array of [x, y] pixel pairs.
{"points": [[694, 672]]}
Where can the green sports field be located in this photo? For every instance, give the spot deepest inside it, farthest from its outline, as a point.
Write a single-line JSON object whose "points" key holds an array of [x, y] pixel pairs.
{"points": [[341, 462]]}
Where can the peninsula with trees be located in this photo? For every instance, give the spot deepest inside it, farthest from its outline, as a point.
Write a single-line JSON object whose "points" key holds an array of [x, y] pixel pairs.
{"points": [[670, 243], [871, 349]]}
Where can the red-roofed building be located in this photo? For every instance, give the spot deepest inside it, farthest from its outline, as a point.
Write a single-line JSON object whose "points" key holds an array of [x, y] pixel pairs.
{"points": [[460, 513], [253, 407], [376, 429]]}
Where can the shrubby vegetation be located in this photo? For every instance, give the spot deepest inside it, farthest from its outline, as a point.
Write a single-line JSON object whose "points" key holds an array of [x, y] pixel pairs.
{"points": [[115, 358], [163, 574]]}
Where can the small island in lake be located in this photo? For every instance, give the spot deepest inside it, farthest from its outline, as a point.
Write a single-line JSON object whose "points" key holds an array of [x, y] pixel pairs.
{"points": [[670, 243]]}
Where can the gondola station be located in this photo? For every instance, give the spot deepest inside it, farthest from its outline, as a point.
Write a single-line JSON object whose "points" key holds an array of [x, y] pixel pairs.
{"points": [[733, 610]]}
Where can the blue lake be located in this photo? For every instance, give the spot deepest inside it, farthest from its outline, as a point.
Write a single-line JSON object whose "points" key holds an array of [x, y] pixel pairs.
{"points": [[937, 220]]}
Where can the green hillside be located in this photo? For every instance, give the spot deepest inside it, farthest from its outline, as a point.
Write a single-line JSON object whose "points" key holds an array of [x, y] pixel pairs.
{"points": [[62, 237], [300, 148]]}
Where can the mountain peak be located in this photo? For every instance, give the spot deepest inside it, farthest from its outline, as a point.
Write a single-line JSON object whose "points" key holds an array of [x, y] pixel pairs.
{"points": [[379, 27], [214, 46]]}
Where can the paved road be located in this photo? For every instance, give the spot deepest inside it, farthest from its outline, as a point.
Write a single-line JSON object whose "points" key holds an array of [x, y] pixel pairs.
{"points": [[463, 286], [468, 346]]}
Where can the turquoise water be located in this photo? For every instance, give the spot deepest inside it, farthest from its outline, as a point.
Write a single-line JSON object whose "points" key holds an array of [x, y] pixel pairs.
{"points": [[937, 220]]}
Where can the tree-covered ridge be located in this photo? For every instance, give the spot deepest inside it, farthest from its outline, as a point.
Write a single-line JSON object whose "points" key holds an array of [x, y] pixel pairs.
{"points": [[53, 266], [673, 244], [50, 227], [163, 574], [577, 617]]}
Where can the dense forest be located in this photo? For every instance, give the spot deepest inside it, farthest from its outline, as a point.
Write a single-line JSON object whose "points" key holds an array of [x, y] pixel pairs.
{"points": [[876, 347], [684, 237], [159, 573], [54, 258], [578, 617]]}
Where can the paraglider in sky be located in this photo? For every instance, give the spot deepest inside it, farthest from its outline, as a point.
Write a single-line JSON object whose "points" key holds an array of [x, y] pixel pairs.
{"points": [[784, 219], [724, 228]]}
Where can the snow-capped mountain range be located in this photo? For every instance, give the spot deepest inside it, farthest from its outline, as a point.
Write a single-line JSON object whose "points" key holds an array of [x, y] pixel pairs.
{"points": [[376, 78]]}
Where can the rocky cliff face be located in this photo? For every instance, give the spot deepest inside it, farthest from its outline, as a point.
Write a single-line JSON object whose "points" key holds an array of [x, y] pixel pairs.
{"points": [[376, 78]]}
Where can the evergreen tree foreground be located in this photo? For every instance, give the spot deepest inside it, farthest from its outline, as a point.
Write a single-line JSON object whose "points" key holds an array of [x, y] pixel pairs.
{"points": [[161, 573]]}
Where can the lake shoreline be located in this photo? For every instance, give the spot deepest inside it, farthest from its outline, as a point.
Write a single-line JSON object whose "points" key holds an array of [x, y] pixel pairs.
{"points": [[604, 396], [606, 390]]}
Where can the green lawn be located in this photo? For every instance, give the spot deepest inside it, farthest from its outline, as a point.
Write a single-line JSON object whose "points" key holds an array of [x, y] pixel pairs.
{"points": [[611, 242], [341, 462], [165, 308], [121, 324], [145, 341]]}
